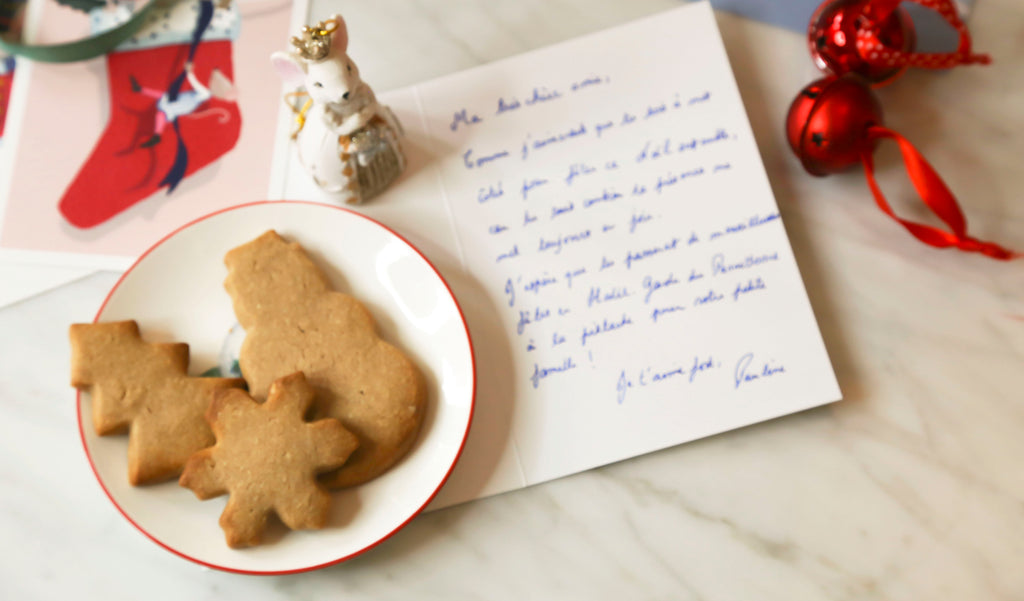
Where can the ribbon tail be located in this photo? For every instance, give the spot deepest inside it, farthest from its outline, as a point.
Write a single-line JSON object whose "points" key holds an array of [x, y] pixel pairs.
{"points": [[936, 195]]}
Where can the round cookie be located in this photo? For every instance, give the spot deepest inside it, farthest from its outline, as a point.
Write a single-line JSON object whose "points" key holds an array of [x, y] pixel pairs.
{"points": [[295, 322]]}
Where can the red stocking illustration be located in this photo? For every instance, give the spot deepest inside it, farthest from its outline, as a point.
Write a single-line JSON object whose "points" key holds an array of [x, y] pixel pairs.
{"points": [[173, 112], [6, 79]]}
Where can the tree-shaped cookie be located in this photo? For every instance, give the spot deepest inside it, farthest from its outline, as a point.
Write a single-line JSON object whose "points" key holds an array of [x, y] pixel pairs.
{"points": [[267, 458], [295, 322], [145, 388]]}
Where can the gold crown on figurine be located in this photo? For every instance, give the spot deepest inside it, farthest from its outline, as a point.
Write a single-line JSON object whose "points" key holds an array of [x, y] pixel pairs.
{"points": [[315, 42]]}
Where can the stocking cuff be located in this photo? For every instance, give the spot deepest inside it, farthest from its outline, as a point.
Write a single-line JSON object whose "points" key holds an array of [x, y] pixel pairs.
{"points": [[174, 25]]}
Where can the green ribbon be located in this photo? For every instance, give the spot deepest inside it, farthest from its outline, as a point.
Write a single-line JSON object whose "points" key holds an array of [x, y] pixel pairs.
{"points": [[86, 48]]}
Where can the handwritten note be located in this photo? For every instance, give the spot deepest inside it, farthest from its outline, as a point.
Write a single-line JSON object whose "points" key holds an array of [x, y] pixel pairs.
{"points": [[607, 196]]}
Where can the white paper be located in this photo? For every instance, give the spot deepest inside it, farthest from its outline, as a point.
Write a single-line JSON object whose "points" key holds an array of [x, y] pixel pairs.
{"points": [[19, 281], [603, 216]]}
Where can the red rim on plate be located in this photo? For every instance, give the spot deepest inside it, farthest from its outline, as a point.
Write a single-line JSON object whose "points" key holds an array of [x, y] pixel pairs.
{"points": [[455, 459]]}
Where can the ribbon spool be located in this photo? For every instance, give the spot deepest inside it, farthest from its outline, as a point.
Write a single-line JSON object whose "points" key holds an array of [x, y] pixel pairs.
{"points": [[836, 122]]}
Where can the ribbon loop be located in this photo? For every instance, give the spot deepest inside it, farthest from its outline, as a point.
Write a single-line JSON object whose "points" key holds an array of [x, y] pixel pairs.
{"points": [[935, 194], [872, 48], [86, 48]]}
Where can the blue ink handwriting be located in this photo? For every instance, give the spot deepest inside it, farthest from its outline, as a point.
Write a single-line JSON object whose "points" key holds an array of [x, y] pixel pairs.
{"points": [[639, 255], [652, 285], [507, 106], [702, 365], [562, 210], [471, 162], [597, 296], [538, 284], [710, 297], [489, 193], [574, 273], [659, 311], [508, 255], [638, 218], [577, 170], [542, 94], [606, 196], [655, 110], [622, 385], [527, 317], [592, 80], [573, 132], [720, 265], [702, 98], [744, 373], [747, 288], [755, 221], [672, 179], [603, 327], [541, 373], [463, 118], [560, 240], [531, 184]]}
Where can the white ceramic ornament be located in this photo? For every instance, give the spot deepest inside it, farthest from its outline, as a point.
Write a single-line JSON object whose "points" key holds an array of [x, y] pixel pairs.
{"points": [[347, 141]]}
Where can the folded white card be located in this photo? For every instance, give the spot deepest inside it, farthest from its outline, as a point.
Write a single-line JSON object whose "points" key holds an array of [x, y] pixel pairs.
{"points": [[602, 214]]}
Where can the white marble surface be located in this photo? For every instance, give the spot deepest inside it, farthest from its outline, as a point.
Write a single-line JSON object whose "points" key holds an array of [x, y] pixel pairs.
{"points": [[911, 488]]}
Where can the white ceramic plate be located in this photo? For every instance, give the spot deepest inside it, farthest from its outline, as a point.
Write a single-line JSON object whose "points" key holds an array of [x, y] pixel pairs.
{"points": [[175, 291]]}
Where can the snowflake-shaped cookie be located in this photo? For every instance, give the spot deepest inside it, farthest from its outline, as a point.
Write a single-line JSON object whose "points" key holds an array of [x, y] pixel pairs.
{"points": [[145, 388], [267, 458]]}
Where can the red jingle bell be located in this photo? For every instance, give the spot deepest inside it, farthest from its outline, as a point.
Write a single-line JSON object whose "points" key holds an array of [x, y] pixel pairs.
{"points": [[828, 122], [836, 122], [834, 30]]}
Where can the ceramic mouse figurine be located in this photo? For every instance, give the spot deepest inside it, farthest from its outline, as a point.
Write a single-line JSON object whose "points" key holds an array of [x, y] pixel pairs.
{"points": [[346, 139]]}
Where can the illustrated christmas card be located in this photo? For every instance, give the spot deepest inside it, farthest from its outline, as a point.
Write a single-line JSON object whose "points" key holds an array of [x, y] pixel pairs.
{"points": [[115, 153], [10, 22]]}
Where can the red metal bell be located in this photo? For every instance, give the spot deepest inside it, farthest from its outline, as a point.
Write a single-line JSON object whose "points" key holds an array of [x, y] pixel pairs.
{"points": [[828, 121], [832, 37]]}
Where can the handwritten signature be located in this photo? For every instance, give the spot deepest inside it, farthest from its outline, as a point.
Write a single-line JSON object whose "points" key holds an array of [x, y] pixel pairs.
{"points": [[746, 372]]}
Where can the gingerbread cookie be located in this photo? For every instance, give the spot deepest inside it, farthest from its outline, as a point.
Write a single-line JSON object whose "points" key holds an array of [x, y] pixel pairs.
{"points": [[143, 387], [295, 322], [267, 458]]}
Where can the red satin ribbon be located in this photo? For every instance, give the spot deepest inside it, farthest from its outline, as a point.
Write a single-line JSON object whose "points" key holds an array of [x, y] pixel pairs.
{"points": [[935, 194], [873, 50]]}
